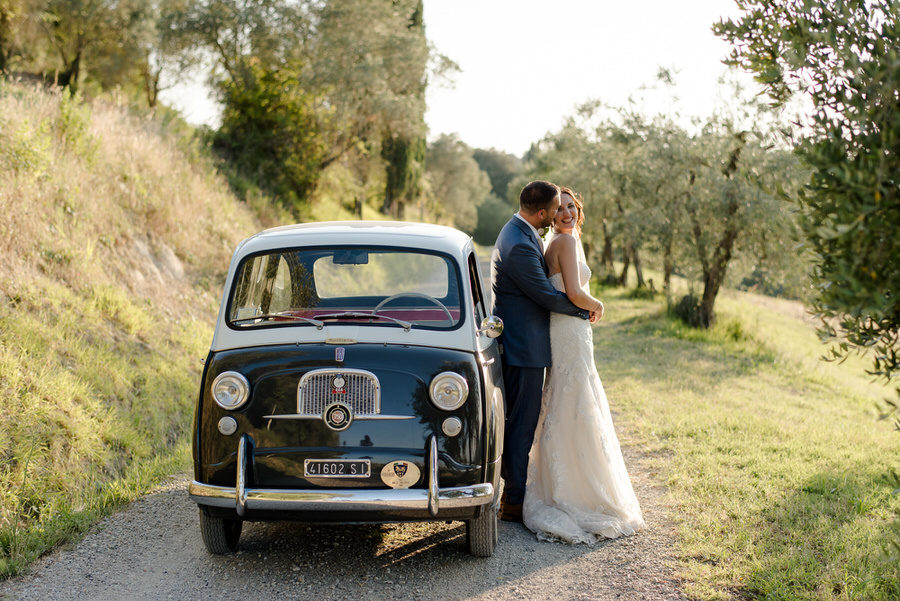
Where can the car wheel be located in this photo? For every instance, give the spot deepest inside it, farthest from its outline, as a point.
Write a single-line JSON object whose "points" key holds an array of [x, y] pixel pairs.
{"points": [[482, 533], [220, 535]]}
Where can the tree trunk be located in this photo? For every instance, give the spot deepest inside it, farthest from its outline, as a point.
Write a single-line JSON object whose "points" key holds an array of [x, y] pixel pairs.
{"points": [[69, 77], [622, 280], [5, 36], [715, 275], [388, 207], [151, 86], [638, 270], [606, 259], [668, 268], [708, 302]]}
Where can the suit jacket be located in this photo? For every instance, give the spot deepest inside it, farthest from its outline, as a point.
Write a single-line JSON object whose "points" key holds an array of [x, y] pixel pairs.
{"points": [[524, 296]]}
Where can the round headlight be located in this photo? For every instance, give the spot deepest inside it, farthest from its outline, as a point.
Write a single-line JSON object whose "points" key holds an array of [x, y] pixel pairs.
{"points": [[448, 391], [230, 390]]}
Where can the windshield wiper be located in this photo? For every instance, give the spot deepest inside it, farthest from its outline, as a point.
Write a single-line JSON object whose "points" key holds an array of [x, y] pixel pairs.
{"points": [[361, 315], [319, 325]]}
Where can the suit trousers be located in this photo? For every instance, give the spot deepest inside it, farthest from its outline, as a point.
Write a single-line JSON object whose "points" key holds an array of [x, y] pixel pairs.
{"points": [[523, 387]]}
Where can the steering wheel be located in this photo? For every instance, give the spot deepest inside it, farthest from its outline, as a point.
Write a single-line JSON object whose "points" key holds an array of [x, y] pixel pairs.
{"points": [[415, 295]]}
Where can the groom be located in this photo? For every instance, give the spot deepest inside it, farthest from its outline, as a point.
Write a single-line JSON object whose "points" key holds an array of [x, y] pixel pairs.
{"points": [[524, 299]]}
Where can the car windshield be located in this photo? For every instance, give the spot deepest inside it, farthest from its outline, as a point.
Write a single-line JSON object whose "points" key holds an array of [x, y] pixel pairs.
{"points": [[346, 285]]}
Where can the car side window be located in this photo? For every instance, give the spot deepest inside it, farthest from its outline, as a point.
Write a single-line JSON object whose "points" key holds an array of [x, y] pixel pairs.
{"points": [[480, 310]]}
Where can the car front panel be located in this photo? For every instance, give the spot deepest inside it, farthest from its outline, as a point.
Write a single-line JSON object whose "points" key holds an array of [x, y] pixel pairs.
{"points": [[281, 441]]}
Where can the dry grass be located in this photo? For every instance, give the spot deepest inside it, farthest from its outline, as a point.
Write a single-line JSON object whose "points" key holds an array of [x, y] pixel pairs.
{"points": [[113, 249]]}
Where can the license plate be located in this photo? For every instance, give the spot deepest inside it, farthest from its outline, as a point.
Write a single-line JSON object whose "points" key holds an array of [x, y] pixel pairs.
{"points": [[337, 468]]}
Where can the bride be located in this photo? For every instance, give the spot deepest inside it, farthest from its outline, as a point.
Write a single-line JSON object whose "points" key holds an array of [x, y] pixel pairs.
{"points": [[578, 488]]}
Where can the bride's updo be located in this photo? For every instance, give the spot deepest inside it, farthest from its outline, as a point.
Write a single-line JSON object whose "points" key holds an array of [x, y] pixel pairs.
{"points": [[578, 203]]}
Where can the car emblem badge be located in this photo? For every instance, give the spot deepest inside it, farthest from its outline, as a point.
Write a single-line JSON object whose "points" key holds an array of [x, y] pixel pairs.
{"points": [[338, 384], [338, 416], [339, 354], [400, 474]]}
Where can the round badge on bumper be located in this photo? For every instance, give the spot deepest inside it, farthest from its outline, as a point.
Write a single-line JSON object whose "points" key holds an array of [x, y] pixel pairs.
{"points": [[338, 416]]}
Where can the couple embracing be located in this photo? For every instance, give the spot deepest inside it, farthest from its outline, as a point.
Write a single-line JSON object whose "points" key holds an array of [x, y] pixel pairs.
{"points": [[563, 470]]}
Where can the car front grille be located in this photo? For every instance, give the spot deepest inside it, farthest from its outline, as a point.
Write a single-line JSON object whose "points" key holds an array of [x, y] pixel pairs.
{"points": [[357, 389]]}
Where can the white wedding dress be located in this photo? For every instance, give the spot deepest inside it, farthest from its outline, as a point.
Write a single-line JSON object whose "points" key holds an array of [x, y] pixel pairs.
{"points": [[578, 488]]}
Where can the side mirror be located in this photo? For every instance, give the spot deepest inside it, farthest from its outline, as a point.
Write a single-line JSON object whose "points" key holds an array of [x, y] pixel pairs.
{"points": [[491, 326]]}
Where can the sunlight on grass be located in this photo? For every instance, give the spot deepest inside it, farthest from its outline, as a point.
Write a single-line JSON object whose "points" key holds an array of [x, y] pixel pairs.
{"points": [[115, 244], [775, 460]]}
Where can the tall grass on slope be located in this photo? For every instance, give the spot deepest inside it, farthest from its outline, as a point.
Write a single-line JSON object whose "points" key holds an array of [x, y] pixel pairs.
{"points": [[113, 249], [774, 460]]}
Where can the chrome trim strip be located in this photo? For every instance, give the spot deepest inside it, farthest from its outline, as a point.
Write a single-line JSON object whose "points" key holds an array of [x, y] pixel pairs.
{"points": [[356, 417], [240, 490], [343, 499], [433, 490]]}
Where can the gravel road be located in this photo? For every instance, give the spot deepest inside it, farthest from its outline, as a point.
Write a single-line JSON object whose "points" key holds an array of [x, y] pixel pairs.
{"points": [[152, 551]]}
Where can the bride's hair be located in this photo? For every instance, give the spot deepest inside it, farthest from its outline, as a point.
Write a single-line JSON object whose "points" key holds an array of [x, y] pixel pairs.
{"points": [[578, 203]]}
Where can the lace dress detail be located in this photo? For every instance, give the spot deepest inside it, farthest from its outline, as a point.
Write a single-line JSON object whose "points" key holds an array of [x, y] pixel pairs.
{"points": [[578, 488]]}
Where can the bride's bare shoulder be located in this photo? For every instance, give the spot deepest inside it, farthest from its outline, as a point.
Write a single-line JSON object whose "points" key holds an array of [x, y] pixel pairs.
{"points": [[562, 241]]}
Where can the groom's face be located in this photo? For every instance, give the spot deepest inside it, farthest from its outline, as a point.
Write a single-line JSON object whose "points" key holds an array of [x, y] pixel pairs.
{"points": [[550, 212]]}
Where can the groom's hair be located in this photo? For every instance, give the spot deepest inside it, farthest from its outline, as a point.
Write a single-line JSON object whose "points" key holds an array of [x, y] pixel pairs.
{"points": [[537, 195]]}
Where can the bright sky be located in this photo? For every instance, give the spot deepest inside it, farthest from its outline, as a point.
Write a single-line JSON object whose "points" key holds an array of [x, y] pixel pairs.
{"points": [[527, 64]]}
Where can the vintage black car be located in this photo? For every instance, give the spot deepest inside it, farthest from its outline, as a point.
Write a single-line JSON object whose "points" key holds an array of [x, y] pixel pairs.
{"points": [[353, 377]]}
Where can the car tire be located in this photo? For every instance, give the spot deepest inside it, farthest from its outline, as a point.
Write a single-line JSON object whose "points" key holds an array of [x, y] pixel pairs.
{"points": [[482, 533], [220, 536]]}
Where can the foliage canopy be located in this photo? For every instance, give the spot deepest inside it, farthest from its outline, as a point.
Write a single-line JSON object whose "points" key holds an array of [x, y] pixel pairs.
{"points": [[843, 58]]}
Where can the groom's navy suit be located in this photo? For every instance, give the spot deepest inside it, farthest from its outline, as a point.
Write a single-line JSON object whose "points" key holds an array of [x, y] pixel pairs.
{"points": [[523, 299]]}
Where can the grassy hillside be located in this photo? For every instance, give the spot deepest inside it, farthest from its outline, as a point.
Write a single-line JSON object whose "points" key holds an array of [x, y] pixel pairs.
{"points": [[114, 241]]}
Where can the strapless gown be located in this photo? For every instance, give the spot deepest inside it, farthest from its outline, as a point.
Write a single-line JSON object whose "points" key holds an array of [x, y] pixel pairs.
{"points": [[578, 488]]}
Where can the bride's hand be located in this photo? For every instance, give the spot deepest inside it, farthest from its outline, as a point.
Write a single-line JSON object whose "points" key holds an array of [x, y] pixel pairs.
{"points": [[597, 313]]}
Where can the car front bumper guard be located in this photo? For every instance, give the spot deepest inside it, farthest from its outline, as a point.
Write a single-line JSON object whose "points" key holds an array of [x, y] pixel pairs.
{"points": [[241, 498]]}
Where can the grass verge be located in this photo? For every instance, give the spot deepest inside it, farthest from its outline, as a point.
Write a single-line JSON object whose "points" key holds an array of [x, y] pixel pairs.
{"points": [[775, 460], [115, 239], [95, 410]]}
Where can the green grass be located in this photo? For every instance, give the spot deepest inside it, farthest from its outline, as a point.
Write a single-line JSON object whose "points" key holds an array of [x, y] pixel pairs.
{"points": [[93, 415], [114, 245], [774, 460]]}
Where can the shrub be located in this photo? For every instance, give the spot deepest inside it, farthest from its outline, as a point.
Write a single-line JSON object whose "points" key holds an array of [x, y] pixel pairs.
{"points": [[688, 310]]}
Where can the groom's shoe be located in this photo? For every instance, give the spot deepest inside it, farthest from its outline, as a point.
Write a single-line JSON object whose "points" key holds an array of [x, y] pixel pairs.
{"points": [[510, 512]]}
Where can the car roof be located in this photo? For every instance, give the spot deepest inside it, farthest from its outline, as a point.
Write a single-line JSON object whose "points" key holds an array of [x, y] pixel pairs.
{"points": [[376, 233]]}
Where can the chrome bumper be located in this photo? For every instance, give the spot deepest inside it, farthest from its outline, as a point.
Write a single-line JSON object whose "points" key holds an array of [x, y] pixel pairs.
{"points": [[240, 498]]}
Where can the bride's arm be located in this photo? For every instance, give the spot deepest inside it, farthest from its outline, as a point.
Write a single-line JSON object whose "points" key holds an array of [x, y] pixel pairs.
{"points": [[567, 254]]}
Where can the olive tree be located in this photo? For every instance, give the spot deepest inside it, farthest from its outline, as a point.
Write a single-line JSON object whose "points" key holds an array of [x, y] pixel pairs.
{"points": [[731, 207], [11, 12], [71, 42], [841, 58], [580, 157]]}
